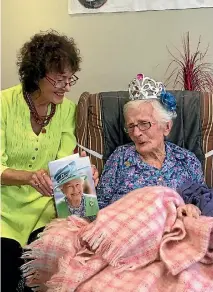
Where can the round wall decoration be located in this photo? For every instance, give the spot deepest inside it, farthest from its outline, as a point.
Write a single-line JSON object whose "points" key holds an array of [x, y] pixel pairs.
{"points": [[92, 4]]}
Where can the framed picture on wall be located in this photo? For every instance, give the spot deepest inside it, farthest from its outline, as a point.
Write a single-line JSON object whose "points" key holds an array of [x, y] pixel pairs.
{"points": [[101, 6]]}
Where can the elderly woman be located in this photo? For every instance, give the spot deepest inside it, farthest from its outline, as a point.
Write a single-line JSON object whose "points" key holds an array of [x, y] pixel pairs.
{"points": [[37, 126], [149, 160]]}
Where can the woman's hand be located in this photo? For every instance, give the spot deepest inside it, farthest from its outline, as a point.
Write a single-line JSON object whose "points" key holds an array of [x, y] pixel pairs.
{"points": [[188, 210], [95, 174], [40, 180]]}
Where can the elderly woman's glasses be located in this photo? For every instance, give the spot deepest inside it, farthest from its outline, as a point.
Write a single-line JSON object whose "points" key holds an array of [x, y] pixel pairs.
{"points": [[62, 83], [142, 126]]}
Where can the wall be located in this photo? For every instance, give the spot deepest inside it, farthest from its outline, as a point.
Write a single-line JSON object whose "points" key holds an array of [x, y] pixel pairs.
{"points": [[114, 46]]}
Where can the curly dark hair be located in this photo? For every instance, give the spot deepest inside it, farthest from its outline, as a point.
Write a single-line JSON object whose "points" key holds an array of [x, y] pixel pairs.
{"points": [[46, 52]]}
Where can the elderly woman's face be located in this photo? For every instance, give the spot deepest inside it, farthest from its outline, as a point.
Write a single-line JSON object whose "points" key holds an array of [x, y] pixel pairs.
{"points": [[54, 86], [149, 140]]}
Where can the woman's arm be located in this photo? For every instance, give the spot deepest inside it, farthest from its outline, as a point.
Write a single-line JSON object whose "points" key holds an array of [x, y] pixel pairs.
{"points": [[13, 177], [39, 180]]}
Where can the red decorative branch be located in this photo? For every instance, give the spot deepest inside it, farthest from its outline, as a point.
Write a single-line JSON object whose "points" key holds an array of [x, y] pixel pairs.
{"points": [[191, 72]]}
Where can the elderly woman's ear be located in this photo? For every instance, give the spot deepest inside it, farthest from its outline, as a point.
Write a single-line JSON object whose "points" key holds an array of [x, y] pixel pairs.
{"points": [[168, 127]]}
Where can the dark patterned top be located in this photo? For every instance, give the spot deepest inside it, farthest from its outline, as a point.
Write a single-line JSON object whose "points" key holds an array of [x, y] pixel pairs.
{"points": [[125, 171]]}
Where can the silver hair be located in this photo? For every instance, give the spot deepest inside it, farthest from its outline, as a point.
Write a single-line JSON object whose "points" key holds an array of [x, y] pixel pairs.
{"points": [[160, 113]]}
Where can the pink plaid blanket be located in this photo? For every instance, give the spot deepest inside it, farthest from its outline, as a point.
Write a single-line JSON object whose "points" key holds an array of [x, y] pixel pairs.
{"points": [[135, 244]]}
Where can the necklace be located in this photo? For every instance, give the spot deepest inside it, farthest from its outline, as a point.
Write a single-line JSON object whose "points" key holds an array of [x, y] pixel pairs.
{"points": [[43, 121]]}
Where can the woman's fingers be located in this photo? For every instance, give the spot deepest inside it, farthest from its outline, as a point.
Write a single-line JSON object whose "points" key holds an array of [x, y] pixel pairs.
{"points": [[194, 211], [46, 182], [96, 182], [42, 183], [39, 188], [188, 210], [95, 175], [180, 211]]}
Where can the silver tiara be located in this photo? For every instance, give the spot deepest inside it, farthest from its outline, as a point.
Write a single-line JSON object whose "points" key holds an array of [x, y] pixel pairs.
{"points": [[143, 87]]}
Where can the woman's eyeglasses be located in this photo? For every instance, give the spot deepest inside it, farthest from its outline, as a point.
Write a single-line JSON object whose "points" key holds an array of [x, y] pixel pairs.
{"points": [[62, 83], [142, 126]]}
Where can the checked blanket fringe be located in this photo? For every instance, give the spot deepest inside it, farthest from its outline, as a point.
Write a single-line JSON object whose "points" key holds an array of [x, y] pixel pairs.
{"points": [[137, 244]]}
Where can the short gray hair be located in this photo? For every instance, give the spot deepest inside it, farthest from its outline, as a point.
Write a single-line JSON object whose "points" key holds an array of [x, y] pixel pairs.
{"points": [[161, 114]]}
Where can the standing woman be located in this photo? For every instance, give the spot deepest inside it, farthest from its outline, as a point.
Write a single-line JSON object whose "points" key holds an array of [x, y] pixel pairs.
{"points": [[37, 126]]}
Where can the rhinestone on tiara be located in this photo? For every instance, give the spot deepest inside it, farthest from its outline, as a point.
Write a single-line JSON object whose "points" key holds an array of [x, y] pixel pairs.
{"points": [[143, 87], [146, 88]]}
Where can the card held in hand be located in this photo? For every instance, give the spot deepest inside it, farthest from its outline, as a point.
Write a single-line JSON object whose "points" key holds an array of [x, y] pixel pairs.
{"points": [[73, 186]]}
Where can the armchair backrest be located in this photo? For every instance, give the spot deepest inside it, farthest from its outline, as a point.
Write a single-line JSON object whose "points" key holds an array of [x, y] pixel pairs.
{"points": [[100, 125]]}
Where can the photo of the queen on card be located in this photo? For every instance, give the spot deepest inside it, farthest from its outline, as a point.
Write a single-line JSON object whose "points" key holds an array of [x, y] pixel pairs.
{"points": [[73, 187]]}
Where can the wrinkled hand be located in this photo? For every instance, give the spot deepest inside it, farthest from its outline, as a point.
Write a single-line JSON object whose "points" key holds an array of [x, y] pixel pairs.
{"points": [[188, 210], [40, 180], [95, 174]]}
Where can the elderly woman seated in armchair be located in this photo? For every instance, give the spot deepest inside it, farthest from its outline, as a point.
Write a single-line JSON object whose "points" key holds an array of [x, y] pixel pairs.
{"points": [[149, 160]]}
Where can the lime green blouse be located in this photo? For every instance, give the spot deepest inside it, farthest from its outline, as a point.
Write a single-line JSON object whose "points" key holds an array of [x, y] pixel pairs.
{"points": [[23, 208]]}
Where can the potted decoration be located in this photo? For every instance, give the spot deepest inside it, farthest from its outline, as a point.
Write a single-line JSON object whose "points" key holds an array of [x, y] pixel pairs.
{"points": [[191, 71]]}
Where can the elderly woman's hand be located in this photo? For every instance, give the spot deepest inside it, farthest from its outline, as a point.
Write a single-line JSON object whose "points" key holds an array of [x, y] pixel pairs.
{"points": [[41, 181], [95, 174], [188, 210]]}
